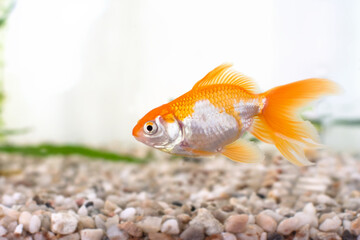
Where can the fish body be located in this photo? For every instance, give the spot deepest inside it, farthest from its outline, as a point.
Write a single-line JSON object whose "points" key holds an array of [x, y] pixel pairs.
{"points": [[211, 118]]}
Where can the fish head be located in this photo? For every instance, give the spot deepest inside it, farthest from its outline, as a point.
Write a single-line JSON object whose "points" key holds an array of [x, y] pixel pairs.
{"points": [[159, 129]]}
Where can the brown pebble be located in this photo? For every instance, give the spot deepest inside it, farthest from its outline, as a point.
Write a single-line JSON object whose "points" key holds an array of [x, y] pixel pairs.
{"points": [[228, 208], [220, 215], [110, 206], [214, 237], [355, 226], [266, 222], [86, 222], [131, 229], [236, 223], [184, 218], [159, 236]]}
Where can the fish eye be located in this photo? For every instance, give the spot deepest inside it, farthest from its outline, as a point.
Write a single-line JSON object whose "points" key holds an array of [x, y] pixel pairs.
{"points": [[150, 128]]}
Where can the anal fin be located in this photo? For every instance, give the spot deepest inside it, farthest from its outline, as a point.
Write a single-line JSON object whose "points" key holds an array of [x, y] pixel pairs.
{"points": [[243, 151]]}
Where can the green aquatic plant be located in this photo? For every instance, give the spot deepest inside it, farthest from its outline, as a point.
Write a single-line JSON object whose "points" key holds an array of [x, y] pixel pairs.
{"points": [[46, 150], [6, 7]]}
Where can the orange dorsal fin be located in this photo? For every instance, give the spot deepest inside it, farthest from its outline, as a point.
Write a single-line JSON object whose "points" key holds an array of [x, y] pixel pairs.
{"points": [[223, 74], [243, 151]]}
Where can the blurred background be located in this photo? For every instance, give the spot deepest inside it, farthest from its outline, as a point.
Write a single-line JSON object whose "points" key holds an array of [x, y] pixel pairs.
{"points": [[84, 71]]}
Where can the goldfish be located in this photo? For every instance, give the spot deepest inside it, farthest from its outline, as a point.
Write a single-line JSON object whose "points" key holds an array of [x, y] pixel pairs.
{"points": [[212, 117]]}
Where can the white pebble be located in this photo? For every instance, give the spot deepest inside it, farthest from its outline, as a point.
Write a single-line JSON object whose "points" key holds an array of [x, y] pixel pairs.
{"points": [[64, 223], [19, 229], [24, 219], [13, 214], [112, 221], [128, 214], [330, 224], [3, 231], [98, 203], [305, 218], [99, 223], [310, 209], [35, 224], [114, 232], [251, 219], [205, 218], [325, 199], [170, 226], [8, 200], [83, 211], [91, 234], [263, 236], [59, 199], [346, 224]]}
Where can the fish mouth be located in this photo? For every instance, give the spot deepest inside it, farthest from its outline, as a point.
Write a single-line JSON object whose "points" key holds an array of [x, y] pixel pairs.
{"points": [[136, 132]]}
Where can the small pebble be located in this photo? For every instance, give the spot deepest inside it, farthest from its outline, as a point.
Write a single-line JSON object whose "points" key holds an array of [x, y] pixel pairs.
{"points": [[91, 234], [35, 224], [330, 224], [355, 226], [19, 229], [193, 232], [24, 219], [128, 214], [99, 223], [184, 218], [159, 236], [3, 231], [170, 226], [205, 218], [150, 224], [64, 223], [39, 236], [9, 212], [112, 221], [115, 233], [303, 233], [236, 223], [266, 222], [328, 236], [228, 236], [263, 236], [110, 206], [252, 231], [83, 211], [131, 228], [73, 236], [288, 225], [86, 222]]}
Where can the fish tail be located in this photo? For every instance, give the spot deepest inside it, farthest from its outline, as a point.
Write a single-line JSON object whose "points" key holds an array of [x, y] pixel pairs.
{"points": [[279, 122]]}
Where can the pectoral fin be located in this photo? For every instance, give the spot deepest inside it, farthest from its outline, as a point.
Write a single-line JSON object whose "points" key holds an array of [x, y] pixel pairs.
{"points": [[243, 151]]}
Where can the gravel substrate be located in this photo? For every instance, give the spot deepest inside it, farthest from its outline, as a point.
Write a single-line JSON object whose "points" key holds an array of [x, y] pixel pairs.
{"points": [[74, 198]]}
